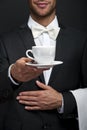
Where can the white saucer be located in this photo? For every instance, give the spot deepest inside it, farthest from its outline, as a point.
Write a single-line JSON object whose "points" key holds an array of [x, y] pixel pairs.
{"points": [[44, 65]]}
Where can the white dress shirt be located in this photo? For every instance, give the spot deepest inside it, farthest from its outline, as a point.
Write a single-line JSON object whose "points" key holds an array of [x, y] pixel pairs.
{"points": [[44, 40]]}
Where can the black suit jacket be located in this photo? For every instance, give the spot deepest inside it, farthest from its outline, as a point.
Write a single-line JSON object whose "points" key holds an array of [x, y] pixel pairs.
{"points": [[71, 48]]}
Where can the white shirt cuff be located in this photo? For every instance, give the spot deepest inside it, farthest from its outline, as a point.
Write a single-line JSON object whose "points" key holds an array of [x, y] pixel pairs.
{"points": [[9, 75], [61, 109]]}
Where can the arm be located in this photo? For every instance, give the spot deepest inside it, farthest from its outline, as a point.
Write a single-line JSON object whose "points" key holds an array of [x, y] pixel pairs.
{"points": [[5, 87], [19, 71]]}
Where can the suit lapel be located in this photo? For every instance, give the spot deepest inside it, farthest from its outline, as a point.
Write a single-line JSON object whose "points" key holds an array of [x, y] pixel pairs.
{"points": [[28, 42], [26, 37], [58, 56]]}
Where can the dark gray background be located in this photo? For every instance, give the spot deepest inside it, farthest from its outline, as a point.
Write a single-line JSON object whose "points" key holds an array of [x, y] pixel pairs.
{"points": [[15, 12], [12, 13]]}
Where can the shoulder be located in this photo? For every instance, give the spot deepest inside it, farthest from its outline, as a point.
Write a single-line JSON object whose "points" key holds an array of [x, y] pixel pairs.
{"points": [[15, 33], [74, 33]]}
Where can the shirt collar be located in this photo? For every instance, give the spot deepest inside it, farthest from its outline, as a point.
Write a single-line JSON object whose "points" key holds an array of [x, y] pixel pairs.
{"points": [[32, 22]]}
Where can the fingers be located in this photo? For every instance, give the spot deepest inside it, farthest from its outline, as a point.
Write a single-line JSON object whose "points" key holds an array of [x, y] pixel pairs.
{"points": [[27, 98], [35, 93], [43, 86], [24, 59], [33, 108], [30, 93], [31, 103], [22, 72]]}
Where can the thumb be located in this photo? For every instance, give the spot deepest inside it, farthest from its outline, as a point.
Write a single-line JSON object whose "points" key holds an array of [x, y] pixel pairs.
{"points": [[27, 59], [41, 85]]}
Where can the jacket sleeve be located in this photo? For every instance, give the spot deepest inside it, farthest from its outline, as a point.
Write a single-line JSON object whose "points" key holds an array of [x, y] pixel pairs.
{"points": [[70, 104], [5, 87]]}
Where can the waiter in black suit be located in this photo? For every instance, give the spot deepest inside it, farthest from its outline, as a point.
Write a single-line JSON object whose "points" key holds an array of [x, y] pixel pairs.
{"points": [[42, 98]]}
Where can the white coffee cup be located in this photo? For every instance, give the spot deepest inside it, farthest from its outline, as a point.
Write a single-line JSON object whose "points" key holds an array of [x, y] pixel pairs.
{"points": [[42, 54]]}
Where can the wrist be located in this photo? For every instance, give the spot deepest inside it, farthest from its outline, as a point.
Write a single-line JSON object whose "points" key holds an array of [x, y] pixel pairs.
{"points": [[10, 75], [60, 99], [60, 109]]}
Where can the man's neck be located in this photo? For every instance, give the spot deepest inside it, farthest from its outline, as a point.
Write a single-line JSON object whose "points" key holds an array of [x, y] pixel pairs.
{"points": [[44, 21]]}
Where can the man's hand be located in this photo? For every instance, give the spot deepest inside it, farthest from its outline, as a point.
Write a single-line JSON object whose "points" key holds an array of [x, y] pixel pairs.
{"points": [[46, 99], [22, 72]]}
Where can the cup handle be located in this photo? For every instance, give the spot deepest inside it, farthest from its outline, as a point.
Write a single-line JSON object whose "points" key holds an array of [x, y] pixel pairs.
{"points": [[27, 54]]}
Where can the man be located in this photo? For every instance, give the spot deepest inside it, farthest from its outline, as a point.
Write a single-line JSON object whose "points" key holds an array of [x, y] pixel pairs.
{"points": [[43, 98]]}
